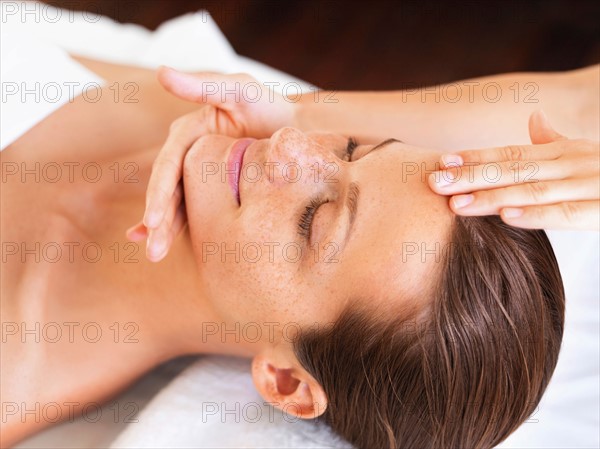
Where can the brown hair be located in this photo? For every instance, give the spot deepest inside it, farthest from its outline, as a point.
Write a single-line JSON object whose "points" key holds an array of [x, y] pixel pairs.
{"points": [[466, 373]]}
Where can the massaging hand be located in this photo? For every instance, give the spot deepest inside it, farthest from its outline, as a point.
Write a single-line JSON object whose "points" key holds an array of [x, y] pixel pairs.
{"points": [[234, 105], [553, 184]]}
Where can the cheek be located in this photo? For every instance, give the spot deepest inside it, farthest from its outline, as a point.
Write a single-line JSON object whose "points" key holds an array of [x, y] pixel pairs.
{"points": [[247, 269]]}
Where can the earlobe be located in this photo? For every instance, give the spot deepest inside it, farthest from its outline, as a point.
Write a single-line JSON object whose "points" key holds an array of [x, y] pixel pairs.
{"points": [[288, 387]]}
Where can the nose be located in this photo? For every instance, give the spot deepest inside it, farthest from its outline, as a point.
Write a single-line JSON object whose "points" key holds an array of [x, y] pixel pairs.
{"points": [[290, 146], [297, 167], [299, 160]]}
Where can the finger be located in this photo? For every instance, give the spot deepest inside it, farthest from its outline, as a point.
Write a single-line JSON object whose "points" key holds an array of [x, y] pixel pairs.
{"points": [[179, 222], [498, 174], [157, 245], [490, 202], [165, 234], [507, 153], [137, 232], [540, 130], [167, 170], [202, 87], [155, 252], [578, 215]]}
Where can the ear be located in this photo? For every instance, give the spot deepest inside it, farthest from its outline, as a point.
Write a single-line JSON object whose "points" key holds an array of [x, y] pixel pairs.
{"points": [[540, 130], [287, 386]]}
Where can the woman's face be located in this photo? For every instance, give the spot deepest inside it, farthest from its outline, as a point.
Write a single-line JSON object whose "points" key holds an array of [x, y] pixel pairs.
{"points": [[312, 230]]}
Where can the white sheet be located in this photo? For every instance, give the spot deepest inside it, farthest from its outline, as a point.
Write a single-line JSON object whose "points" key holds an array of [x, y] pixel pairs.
{"points": [[568, 415]]}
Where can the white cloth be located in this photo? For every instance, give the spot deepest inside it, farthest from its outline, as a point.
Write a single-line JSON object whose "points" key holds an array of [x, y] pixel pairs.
{"points": [[214, 404], [37, 78]]}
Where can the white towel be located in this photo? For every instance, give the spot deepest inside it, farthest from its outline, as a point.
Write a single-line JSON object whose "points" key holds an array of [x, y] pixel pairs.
{"points": [[213, 403]]}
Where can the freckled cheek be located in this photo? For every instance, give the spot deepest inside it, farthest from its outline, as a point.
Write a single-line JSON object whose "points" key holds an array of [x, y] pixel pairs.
{"points": [[248, 271], [256, 292]]}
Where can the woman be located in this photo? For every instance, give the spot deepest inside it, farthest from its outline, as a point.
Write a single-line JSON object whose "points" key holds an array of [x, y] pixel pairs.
{"points": [[412, 329]]}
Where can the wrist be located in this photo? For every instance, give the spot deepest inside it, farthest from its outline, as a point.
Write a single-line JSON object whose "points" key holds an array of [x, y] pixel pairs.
{"points": [[302, 111]]}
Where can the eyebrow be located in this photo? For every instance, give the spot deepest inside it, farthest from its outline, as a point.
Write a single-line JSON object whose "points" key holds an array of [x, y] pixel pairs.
{"points": [[383, 144], [352, 206]]}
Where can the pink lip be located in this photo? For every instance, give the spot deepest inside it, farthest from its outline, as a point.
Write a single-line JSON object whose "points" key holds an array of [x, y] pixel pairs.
{"points": [[235, 162]]}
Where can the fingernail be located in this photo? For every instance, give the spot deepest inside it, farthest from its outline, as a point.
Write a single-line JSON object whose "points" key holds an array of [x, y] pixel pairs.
{"points": [[443, 178], [156, 249], [167, 67], [462, 200], [452, 160], [512, 212]]}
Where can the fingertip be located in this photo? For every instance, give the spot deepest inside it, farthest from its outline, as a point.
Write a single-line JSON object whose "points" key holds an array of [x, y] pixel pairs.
{"points": [[156, 249], [539, 115], [451, 160], [540, 129], [135, 236], [441, 181], [155, 258], [136, 233], [525, 218], [542, 115], [461, 201], [431, 180], [167, 77], [511, 213], [539, 119]]}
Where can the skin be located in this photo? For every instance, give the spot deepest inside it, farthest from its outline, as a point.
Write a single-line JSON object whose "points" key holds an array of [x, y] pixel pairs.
{"points": [[171, 303]]}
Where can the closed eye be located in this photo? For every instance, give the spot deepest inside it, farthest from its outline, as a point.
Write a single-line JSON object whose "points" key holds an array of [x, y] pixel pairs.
{"points": [[306, 219], [350, 147]]}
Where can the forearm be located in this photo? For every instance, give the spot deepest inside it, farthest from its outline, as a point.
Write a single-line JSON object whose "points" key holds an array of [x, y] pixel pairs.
{"points": [[488, 111]]}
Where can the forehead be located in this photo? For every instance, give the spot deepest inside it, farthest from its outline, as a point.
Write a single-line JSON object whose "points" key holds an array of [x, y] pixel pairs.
{"points": [[402, 227]]}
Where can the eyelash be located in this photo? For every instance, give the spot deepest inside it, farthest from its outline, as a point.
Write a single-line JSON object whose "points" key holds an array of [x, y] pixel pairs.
{"points": [[306, 219], [352, 144], [305, 223]]}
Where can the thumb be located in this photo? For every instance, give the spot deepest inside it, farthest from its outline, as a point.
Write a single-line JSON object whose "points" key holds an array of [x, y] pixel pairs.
{"points": [[202, 87], [540, 130]]}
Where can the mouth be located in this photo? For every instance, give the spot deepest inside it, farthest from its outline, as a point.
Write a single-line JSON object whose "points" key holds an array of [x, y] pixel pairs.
{"points": [[235, 162]]}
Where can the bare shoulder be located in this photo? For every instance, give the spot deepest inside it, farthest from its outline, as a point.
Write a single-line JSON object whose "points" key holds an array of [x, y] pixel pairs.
{"points": [[129, 112]]}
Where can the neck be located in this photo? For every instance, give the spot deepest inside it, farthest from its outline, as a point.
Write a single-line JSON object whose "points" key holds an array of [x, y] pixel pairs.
{"points": [[166, 300], [178, 313]]}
